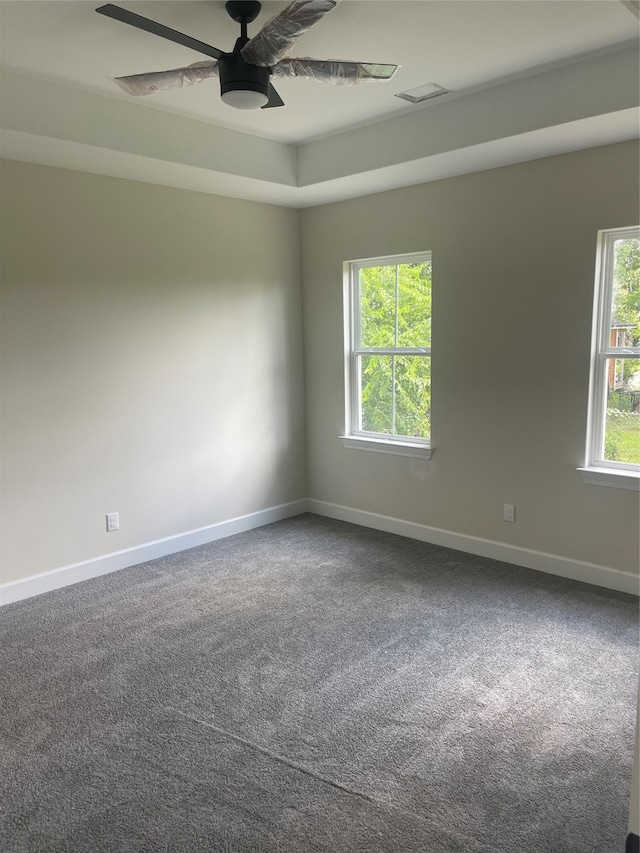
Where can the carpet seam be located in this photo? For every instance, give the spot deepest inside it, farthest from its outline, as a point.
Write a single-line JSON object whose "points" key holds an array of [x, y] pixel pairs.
{"points": [[482, 847], [274, 755]]}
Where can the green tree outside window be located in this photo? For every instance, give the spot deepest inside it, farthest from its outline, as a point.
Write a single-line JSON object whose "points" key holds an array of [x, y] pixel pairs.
{"points": [[393, 349]]}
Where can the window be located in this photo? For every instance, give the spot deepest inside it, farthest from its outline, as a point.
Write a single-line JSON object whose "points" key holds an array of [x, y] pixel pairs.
{"points": [[613, 439], [388, 354]]}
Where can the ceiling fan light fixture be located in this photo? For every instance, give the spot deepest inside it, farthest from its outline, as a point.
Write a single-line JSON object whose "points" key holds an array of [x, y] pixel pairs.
{"points": [[245, 99], [242, 85]]}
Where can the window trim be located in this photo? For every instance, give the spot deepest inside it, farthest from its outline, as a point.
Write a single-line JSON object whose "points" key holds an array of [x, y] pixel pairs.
{"points": [[358, 439], [596, 470]]}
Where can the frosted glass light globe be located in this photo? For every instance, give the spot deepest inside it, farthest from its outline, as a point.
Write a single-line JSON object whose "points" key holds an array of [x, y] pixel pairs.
{"points": [[245, 99]]}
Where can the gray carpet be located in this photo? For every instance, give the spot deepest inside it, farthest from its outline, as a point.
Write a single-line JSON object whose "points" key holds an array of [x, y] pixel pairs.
{"points": [[317, 687]]}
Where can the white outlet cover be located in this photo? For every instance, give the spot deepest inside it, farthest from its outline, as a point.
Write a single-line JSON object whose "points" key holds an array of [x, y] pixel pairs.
{"points": [[509, 512]]}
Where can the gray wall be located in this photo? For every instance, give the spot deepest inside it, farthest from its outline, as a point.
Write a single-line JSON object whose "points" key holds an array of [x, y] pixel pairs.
{"points": [[513, 260], [151, 363]]}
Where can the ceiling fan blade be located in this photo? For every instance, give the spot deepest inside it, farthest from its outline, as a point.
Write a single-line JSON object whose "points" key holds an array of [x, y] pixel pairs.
{"points": [[134, 20], [274, 99], [279, 35], [334, 71], [176, 78]]}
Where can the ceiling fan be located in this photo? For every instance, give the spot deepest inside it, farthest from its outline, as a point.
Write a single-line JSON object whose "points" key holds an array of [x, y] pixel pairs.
{"points": [[245, 73]]}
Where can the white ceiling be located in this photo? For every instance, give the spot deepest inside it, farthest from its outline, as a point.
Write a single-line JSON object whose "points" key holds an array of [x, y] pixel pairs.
{"points": [[66, 54]]}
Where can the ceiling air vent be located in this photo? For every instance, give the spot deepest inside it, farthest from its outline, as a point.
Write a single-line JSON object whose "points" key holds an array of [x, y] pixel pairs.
{"points": [[423, 93]]}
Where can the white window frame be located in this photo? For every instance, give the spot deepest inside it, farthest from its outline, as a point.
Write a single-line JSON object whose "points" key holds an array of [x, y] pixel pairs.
{"points": [[354, 437], [597, 470]]}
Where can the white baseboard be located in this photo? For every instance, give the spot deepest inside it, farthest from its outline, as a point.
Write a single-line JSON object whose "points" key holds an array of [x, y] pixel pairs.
{"points": [[538, 560], [550, 563], [47, 581]]}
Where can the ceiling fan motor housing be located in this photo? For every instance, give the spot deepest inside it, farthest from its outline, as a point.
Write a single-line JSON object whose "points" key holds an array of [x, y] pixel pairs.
{"points": [[238, 75]]}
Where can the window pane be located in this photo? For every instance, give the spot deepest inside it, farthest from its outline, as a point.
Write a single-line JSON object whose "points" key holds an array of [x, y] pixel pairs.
{"points": [[396, 395], [378, 306], [625, 315], [413, 396], [414, 305], [376, 393], [622, 422]]}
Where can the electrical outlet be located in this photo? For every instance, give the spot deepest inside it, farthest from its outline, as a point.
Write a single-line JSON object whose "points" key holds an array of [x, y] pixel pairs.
{"points": [[509, 512], [112, 522]]}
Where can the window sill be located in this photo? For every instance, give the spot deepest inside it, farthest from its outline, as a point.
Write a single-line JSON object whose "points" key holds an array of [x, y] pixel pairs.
{"points": [[382, 445], [613, 477]]}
